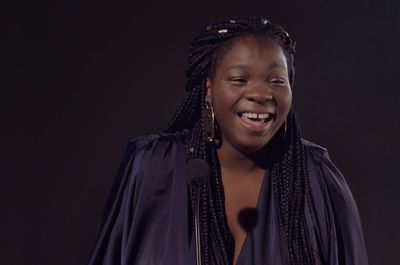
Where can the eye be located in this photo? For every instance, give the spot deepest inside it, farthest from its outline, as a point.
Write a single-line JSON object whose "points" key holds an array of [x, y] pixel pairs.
{"points": [[278, 81], [238, 80]]}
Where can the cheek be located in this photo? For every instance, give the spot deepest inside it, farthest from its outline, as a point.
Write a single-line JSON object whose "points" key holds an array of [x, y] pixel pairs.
{"points": [[221, 111], [224, 110], [223, 100], [284, 101]]}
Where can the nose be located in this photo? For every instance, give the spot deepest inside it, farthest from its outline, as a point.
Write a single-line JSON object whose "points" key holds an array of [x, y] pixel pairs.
{"points": [[259, 94]]}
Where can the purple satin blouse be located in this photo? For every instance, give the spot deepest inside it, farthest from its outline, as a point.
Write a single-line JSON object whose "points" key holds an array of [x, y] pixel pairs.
{"points": [[146, 220]]}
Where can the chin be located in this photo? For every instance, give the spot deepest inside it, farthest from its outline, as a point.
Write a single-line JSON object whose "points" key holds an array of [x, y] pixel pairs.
{"points": [[252, 145]]}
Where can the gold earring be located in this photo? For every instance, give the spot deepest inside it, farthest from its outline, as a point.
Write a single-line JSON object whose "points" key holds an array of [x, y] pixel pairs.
{"points": [[209, 122]]}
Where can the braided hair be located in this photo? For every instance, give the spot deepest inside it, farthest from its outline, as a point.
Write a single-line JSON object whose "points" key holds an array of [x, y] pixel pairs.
{"points": [[288, 172]]}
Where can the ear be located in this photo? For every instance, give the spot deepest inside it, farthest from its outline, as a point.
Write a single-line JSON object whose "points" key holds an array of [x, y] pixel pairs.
{"points": [[208, 97]]}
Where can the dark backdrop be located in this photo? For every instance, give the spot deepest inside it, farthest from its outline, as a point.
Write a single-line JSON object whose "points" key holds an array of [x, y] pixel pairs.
{"points": [[79, 80]]}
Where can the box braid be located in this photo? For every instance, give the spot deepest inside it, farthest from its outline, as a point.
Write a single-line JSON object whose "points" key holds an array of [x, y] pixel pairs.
{"points": [[289, 174]]}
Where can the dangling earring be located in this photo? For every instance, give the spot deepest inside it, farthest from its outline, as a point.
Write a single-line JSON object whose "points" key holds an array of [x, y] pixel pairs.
{"points": [[209, 122]]}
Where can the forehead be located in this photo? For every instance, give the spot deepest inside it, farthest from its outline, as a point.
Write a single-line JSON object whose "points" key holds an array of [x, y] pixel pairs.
{"points": [[252, 50]]}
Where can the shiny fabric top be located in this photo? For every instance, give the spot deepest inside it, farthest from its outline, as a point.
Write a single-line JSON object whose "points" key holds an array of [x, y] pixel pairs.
{"points": [[146, 220]]}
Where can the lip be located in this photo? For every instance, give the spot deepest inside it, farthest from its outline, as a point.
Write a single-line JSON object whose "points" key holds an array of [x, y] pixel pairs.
{"points": [[255, 126], [257, 111]]}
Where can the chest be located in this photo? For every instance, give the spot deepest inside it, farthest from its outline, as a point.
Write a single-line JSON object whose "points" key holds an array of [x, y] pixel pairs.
{"points": [[241, 196]]}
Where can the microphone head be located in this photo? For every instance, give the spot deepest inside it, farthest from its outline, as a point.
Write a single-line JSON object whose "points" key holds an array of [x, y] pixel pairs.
{"points": [[198, 168], [248, 219]]}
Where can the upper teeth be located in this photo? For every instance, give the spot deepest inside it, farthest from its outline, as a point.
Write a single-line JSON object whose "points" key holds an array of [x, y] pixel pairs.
{"points": [[255, 115]]}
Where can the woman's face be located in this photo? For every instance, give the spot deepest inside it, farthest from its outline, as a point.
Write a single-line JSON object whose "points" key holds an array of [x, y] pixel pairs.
{"points": [[250, 92]]}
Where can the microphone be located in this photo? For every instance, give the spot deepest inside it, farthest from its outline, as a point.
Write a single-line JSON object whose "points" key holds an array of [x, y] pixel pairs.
{"points": [[198, 172], [248, 218]]}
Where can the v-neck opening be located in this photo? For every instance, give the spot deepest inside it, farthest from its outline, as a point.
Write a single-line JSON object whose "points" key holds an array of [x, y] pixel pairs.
{"points": [[261, 195]]}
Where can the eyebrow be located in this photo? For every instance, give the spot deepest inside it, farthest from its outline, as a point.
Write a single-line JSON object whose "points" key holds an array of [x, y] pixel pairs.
{"points": [[270, 67], [276, 65]]}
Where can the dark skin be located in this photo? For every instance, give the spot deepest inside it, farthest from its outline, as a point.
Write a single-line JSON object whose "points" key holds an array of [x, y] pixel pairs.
{"points": [[251, 77]]}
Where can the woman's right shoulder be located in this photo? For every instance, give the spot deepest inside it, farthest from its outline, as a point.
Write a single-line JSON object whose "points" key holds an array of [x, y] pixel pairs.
{"points": [[154, 140]]}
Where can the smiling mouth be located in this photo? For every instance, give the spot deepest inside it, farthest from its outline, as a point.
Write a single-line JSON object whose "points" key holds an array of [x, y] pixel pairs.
{"points": [[256, 122], [256, 117]]}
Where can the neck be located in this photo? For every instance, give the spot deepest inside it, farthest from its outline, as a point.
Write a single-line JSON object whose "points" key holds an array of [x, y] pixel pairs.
{"points": [[235, 161], [232, 160]]}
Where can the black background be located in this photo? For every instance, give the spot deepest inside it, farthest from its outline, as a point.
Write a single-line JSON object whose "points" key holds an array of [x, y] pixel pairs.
{"points": [[80, 79]]}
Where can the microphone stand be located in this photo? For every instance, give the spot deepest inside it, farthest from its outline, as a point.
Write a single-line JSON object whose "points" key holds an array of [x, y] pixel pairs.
{"points": [[198, 173], [197, 227]]}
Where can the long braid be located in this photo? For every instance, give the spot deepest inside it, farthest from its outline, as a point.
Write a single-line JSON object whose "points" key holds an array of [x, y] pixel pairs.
{"points": [[291, 186], [224, 239], [289, 174]]}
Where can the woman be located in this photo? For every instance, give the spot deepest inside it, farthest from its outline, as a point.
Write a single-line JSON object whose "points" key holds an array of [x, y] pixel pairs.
{"points": [[272, 197]]}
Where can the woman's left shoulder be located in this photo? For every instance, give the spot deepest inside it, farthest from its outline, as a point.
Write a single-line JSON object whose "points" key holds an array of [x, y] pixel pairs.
{"points": [[325, 176], [318, 152], [318, 156], [337, 225]]}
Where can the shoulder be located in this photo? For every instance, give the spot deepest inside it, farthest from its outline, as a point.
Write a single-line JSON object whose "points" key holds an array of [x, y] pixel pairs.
{"points": [[314, 149], [149, 155], [311, 145], [317, 154], [327, 182], [151, 149], [155, 141], [320, 165], [337, 219]]}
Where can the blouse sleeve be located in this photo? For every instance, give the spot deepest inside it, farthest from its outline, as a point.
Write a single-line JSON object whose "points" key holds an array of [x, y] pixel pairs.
{"points": [[108, 247], [333, 213]]}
